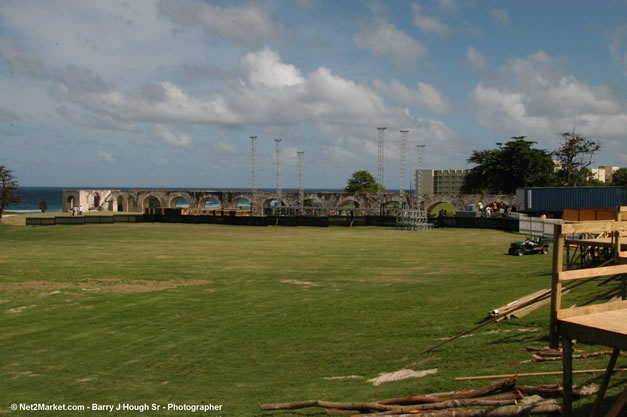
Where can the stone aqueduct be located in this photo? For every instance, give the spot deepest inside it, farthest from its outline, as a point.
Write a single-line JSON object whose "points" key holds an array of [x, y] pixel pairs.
{"points": [[138, 200]]}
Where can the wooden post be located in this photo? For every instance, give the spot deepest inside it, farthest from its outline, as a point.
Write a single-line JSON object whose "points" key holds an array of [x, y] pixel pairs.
{"points": [[567, 377], [604, 382], [556, 285]]}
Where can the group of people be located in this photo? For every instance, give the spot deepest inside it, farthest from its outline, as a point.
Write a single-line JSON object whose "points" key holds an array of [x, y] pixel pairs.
{"points": [[496, 208], [76, 211]]}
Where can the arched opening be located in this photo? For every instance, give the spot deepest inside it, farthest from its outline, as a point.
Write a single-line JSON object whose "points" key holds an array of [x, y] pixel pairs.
{"points": [[350, 203], [120, 203], [243, 204], [71, 202], [152, 202], [312, 202], [179, 202], [391, 208], [212, 203], [447, 209], [273, 202], [96, 200]]}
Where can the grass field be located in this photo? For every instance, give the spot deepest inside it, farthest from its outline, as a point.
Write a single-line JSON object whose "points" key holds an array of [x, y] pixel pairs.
{"points": [[239, 316]]}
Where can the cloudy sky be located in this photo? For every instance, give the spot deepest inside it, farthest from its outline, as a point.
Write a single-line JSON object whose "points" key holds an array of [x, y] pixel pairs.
{"points": [[166, 93]]}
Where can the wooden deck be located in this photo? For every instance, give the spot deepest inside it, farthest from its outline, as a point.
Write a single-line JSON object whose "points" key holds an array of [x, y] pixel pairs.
{"points": [[599, 324]]}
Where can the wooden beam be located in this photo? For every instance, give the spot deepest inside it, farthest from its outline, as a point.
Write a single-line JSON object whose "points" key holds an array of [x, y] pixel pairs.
{"points": [[556, 285], [592, 272], [593, 227], [586, 371], [596, 308]]}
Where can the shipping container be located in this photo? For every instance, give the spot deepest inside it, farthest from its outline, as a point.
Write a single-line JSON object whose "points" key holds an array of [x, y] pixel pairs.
{"points": [[553, 200]]}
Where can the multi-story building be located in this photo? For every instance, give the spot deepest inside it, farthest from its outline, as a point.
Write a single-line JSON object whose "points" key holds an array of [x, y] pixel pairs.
{"points": [[604, 173], [440, 181]]}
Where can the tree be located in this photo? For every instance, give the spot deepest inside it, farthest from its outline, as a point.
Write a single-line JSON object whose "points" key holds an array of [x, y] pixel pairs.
{"points": [[361, 182], [8, 188], [43, 206], [575, 156], [619, 177], [512, 165]]}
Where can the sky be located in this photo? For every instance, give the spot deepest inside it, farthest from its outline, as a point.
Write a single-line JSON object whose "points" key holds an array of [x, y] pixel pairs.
{"points": [[166, 93]]}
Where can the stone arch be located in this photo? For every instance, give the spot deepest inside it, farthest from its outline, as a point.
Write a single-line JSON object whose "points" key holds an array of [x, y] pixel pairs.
{"points": [[174, 197], [71, 201], [95, 200], [243, 203], [313, 202], [205, 199], [347, 201], [121, 204], [144, 200], [269, 202]]}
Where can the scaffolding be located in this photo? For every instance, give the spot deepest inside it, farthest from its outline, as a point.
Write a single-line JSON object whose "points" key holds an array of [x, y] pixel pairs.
{"points": [[403, 165], [415, 220]]}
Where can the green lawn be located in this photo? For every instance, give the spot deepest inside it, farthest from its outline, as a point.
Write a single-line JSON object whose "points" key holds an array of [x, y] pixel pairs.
{"points": [[238, 316]]}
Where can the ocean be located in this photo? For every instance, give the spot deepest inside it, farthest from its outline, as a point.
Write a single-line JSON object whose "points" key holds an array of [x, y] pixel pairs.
{"points": [[53, 196]]}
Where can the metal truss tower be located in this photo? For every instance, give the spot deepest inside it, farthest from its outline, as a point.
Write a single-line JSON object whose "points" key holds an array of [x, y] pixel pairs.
{"points": [[301, 175], [380, 141], [421, 149], [403, 164], [278, 170], [253, 163]]}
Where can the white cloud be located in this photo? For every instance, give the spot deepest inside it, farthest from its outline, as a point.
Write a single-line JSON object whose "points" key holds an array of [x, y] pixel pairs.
{"points": [[476, 61], [501, 16], [425, 96], [106, 157], [248, 25], [166, 136], [428, 24], [535, 97], [384, 39], [265, 68], [20, 61]]}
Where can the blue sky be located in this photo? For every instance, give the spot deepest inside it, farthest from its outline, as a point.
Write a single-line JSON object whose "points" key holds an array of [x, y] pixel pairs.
{"points": [[165, 93]]}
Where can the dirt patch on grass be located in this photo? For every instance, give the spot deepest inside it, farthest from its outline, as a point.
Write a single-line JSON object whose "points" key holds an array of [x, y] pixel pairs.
{"points": [[402, 374], [297, 282], [114, 285]]}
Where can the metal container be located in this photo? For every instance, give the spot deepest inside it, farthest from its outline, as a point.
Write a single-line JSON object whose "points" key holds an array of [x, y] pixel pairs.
{"points": [[553, 200]]}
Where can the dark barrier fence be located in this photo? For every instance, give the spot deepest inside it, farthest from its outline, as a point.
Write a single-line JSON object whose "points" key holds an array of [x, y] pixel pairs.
{"points": [[508, 224], [175, 216]]}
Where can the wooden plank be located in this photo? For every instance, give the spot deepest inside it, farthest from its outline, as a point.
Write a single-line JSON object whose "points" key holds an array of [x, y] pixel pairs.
{"points": [[556, 285], [586, 371], [604, 383], [591, 272], [597, 308], [593, 227]]}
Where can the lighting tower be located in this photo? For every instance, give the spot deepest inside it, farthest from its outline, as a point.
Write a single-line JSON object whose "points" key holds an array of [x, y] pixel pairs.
{"points": [[403, 163], [301, 174], [253, 163], [421, 149], [380, 158], [278, 169]]}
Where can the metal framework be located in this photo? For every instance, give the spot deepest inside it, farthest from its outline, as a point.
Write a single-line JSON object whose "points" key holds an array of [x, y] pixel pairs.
{"points": [[278, 169], [301, 175], [419, 175], [381, 137], [415, 220], [253, 163], [403, 164]]}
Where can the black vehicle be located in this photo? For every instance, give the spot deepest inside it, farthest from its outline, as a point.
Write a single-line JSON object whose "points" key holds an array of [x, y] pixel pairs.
{"points": [[533, 244]]}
